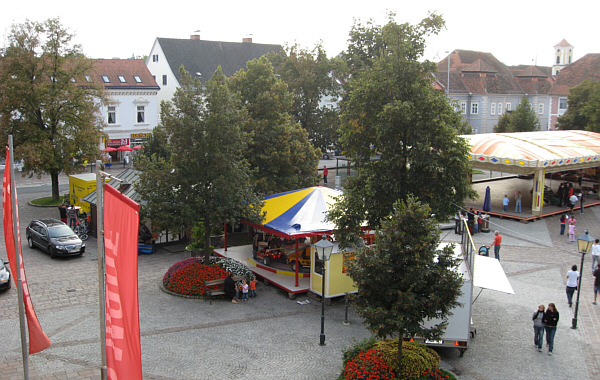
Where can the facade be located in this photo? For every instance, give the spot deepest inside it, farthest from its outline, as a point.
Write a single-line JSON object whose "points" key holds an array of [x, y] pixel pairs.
{"points": [[132, 109], [483, 88], [563, 56], [585, 68], [199, 58]]}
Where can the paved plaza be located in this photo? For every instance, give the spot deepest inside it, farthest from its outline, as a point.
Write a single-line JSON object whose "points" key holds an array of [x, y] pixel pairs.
{"points": [[273, 337]]}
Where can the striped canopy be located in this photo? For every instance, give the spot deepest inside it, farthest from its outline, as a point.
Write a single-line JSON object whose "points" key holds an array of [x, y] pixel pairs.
{"points": [[299, 213], [526, 152]]}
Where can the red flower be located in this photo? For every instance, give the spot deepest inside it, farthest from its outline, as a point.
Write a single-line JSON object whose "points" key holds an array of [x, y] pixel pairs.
{"points": [[187, 277], [368, 365]]}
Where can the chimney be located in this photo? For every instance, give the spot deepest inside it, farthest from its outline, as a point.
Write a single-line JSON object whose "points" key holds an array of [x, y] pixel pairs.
{"points": [[247, 40], [196, 35]]}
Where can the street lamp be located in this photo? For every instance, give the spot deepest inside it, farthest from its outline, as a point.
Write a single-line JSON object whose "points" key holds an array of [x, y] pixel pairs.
{"points": [[324, 248], [584, 244]]}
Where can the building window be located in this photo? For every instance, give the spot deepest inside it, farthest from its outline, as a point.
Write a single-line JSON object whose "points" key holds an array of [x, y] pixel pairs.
{"points": [[88, 78], [122, 79], [112, 115], [499, 108], [164, 80], [558, 60], [155, 58], [508, 106], [463, 107], [562, 104], [493, 109], [105, 79], [137, 79], [541, 108], [140, 113], [474, 108]]}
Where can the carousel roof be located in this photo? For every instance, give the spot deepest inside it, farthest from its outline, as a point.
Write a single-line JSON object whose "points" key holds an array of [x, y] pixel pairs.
{"points": [[526, 152]]}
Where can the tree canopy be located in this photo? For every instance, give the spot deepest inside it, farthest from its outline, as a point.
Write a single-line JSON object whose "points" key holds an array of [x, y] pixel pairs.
{"points": [[584, 108], [401, 132], [405, 279], [522, 119], [54, 119], [279, 152], [205, 178]]}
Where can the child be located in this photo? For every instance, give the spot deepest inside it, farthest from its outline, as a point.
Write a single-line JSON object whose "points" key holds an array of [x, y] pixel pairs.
{"points": [[244, 291], [572, 222], [253, 287]]}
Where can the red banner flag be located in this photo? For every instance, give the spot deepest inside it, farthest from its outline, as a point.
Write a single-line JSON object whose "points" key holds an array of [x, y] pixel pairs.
{"points": [[123, 348], [38, 340]]}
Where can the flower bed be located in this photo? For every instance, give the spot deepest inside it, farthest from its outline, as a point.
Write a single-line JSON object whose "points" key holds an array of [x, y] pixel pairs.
{"points": [[187, 277]]}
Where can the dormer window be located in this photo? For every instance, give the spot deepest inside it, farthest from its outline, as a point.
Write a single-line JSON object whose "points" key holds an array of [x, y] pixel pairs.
{"points": [[105, 79], [137, 79], [88, 78], [122, 79]]}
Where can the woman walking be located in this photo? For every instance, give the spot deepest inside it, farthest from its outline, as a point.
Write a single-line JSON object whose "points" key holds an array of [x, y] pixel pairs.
{"points": [[538, 327], [550, 321]]}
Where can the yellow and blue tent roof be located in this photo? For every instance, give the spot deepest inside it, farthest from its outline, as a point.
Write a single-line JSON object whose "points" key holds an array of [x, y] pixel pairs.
{"points": [[299, 213]]}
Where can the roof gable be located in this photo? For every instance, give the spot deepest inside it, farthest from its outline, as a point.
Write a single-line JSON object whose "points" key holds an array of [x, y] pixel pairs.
{"points": [[201, 58]]}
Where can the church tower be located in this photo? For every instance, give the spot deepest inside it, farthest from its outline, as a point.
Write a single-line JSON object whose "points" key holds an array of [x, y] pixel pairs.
{"points": [[563, 56]]}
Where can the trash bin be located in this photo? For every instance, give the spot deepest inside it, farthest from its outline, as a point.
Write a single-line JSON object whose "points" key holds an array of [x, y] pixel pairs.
{"points": [[485, 226]]}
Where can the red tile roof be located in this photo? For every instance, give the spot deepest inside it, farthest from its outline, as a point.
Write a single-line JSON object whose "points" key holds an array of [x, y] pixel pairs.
{"points": [[563, 43], [587, 67], [117, 70]]}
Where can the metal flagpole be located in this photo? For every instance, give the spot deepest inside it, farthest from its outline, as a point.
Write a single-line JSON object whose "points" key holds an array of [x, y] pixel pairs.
{"points": [[101, 274], [24, 351]]}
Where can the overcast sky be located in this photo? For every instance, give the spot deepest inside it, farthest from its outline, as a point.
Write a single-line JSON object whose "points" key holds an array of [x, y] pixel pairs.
{"points": [[515, 32]]}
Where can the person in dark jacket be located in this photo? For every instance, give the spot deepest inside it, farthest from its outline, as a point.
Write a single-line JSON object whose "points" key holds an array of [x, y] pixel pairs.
{"points": [[560, 194], [231, 289], [538, 327], [550, 321]]}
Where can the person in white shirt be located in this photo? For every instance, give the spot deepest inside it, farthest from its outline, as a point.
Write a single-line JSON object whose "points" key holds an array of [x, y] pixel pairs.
{"points": [[595, 254], [572, 277]]}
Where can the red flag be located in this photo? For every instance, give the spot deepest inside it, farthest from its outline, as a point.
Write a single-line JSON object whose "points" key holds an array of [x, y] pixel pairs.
{"points": [[123, 348], [38, 340]]}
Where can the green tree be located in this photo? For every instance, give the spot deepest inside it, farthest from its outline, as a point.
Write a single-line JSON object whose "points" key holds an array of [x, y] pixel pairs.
{"points": [[310, 78], [401, 133], [584, 108], [279, 153], [522, 119], [207, 179], [405, 279], [54, 119]]}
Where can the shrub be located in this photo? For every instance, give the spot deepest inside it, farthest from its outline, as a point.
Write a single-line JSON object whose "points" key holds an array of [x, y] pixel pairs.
{"points": [[368, 365], [233, 266], [416, 357], [349, 353], [434, 374]]}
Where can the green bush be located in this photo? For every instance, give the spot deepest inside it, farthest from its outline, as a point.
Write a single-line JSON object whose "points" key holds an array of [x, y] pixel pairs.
{"points": [[416, 358]]}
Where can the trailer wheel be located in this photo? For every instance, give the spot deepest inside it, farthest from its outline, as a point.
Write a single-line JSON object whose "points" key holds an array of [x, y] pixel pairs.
{"points": [[266, 260], [462, 351]]}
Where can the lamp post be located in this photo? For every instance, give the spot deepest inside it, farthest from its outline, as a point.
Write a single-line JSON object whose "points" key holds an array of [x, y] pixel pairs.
{"points": [[584, 244], [324, 248]]}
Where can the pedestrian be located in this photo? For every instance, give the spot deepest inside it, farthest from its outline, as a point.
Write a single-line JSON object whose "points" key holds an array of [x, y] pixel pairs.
{"points": [[325, 172], [244, 291], [581, 200], [496, 243], [572, 202], [471, 220], [560, 194], [595, 255], [572, 222], [505, 202], [72, 216], [550, 321], [572, 277], [475, 222], [231, 288], [253, 287], [538, 327], [479, 222], [457, 223], [518, 202], [563, 223], [566, 195], [596, 283], [126, 161]]}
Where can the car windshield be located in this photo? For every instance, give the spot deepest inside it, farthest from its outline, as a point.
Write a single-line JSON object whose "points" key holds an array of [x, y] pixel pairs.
{"points": [[60, 231]]}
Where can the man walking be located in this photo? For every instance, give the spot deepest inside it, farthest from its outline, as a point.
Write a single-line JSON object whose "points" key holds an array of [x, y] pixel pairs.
{"points": [[496, 243], [596, 283], [325, 172], [595, 255]]}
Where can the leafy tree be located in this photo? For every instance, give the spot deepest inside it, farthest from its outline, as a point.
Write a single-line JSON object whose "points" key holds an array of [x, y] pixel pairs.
{"points": [[584, 108], [310, 78], [405, 279], [206, 179], [280, 153], [53, 118], [401, 132], [523, 119]]}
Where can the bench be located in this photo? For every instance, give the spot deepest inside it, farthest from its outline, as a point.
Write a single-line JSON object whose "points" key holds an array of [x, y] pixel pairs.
{"points": [[210, 293]]}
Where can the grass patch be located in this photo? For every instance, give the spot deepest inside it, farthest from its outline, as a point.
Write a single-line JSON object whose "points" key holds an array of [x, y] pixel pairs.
{"points": [[477, 171], [47, 201]]}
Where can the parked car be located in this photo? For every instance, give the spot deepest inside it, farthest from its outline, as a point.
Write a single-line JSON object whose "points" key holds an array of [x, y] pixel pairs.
{"points": [[54, 237], [4, 275]]}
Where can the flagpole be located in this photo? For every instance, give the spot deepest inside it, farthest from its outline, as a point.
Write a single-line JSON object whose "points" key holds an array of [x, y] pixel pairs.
{"points": [[13, 195], [101, 274]]}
